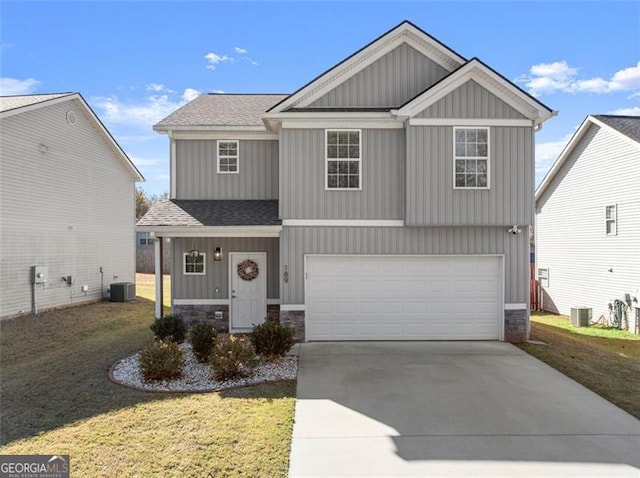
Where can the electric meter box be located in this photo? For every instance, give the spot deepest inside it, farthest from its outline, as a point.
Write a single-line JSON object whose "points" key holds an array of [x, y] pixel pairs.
{"points": [[39, 274]]}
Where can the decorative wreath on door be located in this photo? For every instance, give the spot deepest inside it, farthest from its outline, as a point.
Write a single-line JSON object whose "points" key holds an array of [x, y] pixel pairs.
{"points": [[248, 270]]}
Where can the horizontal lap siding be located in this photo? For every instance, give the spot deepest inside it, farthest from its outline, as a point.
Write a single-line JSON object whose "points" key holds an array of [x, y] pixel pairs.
{"points": [[302, 177], [470, 100], [298, 241], [197, 176], [431, 198], [70, 208], [388, 82], [217, 273], [604, 169]]}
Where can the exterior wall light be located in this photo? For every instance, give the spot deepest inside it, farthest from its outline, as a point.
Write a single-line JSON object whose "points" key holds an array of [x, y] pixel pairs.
{"points": [[217, 254]]}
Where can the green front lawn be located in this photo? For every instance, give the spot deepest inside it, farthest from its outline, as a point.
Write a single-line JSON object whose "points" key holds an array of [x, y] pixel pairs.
{"points": [[56, 399], [603, 359]]}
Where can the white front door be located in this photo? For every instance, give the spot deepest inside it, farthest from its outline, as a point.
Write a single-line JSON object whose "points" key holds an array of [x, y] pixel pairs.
{"points": [[248, 289]]}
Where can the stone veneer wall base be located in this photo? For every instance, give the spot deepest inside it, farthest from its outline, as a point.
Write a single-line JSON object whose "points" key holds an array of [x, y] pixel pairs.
{"points": [[516, 325]]}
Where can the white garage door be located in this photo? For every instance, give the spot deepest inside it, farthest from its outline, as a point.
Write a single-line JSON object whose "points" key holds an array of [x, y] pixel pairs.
{"points": [[403, 297]]}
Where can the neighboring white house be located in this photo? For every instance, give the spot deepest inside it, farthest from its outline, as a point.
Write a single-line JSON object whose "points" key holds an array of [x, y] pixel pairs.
{"points": [[67, 204], [588, 219]]}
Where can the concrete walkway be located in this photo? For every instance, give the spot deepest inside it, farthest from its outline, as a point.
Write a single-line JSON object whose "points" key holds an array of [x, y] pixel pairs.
{"points": [[451, 409]]}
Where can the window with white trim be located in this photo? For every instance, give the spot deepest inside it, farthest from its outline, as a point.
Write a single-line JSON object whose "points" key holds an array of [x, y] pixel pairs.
{"points": [[194, 264], [145, 240], [471, 158], [611, 220], [342, 153], [227, 157]]}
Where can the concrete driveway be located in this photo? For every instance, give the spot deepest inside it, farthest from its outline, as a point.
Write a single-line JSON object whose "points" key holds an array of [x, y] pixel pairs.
{"points": [[450, 409]]}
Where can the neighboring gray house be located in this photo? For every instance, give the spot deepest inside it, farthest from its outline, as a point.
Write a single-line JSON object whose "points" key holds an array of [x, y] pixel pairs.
{"points": [[389, 198], [66, 204], [588, 219]]}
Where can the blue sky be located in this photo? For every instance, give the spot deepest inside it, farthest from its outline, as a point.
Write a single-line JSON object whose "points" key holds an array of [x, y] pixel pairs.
{"points": [[136, 62]]}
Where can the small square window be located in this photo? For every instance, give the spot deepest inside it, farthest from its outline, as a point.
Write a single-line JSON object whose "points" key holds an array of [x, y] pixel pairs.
{"points": [[194, 264], [227, 157]]}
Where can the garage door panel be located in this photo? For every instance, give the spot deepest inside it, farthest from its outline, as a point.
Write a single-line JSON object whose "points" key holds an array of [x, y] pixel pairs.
{"points": [[403, 297]]}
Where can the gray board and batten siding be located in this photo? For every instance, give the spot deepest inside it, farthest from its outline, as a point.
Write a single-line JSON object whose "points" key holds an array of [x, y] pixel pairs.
{"points": [[470, 100], [298, 241], [197, 176], [199, 287], [431, 198], [303, 194], [389, 82]]}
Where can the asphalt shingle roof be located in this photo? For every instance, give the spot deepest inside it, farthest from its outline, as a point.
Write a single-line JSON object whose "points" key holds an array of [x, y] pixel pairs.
{"points": [[222, 110], [12, 102], [627, 125], [193, 213]]}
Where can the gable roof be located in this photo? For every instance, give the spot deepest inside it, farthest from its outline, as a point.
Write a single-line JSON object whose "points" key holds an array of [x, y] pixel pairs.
{"points": [[405, 32], [627, 127], [14, 105], [218, 109], [8, 103], [489, 79]]}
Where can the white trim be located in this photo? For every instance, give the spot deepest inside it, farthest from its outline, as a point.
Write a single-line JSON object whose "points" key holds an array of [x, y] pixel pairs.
{"points": [[200, 301], [212, 231], [172, 166], [403, 33], [475, 70], [215, 135], [214, 301], [291, 307], [236, 157], [344, 222], [158, 277], [515, 306], [469, 122], [327, 159], [488, 158], [204, 265], [341, 123], [571, 145]]}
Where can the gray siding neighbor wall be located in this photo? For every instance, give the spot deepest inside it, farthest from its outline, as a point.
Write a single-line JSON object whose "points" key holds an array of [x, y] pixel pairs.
{"points": [[197, 176], [470, 101], [68, 207], [302, 177], [431, 198], [392, 80], [298, 241], [217, 273]]}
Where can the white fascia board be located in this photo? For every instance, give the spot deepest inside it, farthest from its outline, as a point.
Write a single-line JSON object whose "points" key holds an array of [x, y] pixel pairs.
{"points": [[215, 135], [212, 231], [343, 222], [469, 122], [344, 124], [474, 70], [404, 33], [332, 119]]}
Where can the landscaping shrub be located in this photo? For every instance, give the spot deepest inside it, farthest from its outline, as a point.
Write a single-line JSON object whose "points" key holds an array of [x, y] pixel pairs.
{"points": [[161, 361], [272, 339], [170, 327], [232, 357], [202, 337]]}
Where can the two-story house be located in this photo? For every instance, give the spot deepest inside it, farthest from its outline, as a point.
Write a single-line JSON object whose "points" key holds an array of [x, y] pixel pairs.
{"points": [[389, 198]]}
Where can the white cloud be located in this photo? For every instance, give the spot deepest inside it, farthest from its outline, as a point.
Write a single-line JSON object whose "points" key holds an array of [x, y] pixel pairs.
{"points": [[142, 162], [158, 88], [13, 86], [240, 50], [547, 153], [214, 59], [190, 94], [143, 112], [545, 78], [633, 111], [217, 91]]}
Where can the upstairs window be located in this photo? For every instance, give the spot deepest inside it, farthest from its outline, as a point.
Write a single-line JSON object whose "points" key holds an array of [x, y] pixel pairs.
{"points": [[471, 158], [227, 157], [343, 169], [194, 265], [611, 220]]}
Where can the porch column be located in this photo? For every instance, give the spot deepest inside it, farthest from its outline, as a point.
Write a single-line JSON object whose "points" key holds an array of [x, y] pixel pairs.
{"points": [[159, 246]]}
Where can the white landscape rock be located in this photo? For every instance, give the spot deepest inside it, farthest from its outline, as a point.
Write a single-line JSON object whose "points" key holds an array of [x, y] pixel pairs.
{"points": [[196, 376]]}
